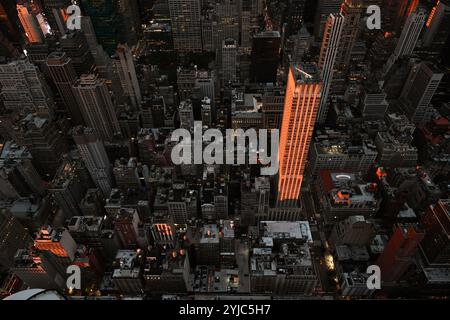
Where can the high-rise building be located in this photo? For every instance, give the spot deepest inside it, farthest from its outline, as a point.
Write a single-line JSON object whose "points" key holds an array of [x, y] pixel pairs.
{"points": [[126, 225], [124, 65], [94, 156], [229, 60], [418, 91], [408, 38], [10, 33], [324, 8], [45, 142], [68, 187], [186, 81], [352, 10], [396, 12], [12, 237], [437, 28], [185, 17], [29, 22], [206, 112], [398, 254], [373, 102], [63, 75], [75, 45], [186, 112], [205, 83], [301, 103], [265, 56], [295, 18], [23, 88], [96, 105], [227, 16], [18, 176], [106, 22], [327, 58], [131, 27], [436, 222]]}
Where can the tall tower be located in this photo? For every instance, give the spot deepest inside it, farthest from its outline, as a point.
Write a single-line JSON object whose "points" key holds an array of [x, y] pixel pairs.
{"points": [[327, 58], [29, 23], [396, 12], [296, 15], [44, 140], [61, 71], [265, 56], [185, 16], [422, 83], [94, 156], [24, 89], [408, 38], [352, 10], [229, 60], [96, 105], [124, 66], [410, 33], [300, 111], [324, 8], [12, 238], [75, 45], [437, 28]]}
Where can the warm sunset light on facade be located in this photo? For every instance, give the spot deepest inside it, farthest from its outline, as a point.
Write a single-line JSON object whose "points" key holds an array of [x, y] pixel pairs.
{"points": [[300, 112]]}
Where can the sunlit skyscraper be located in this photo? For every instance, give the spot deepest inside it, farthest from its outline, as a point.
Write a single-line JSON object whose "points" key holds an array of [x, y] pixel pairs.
{"points": [[300, 111]]}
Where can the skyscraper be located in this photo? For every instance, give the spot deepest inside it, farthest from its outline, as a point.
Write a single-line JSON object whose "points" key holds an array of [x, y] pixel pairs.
{"points": [[420, 86], [229, 60], [396, 12], [96, 105], [12, 237], [265, 56], [29, 22], [105, 20], [75, 45], [44, 140], [352, 10], [68, 188], [296, 15], [94, 156], [61, 71], [300, 111], [23, 88], [124, 66], [327, 58], [408, 38], [185, 16], [437, 27], [324, 8]]}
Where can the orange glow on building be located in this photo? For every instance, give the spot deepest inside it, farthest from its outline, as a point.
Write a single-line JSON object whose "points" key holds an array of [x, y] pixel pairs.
{"points": [[29, 23], [432, 13], [300, 111], [412, 7]]}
